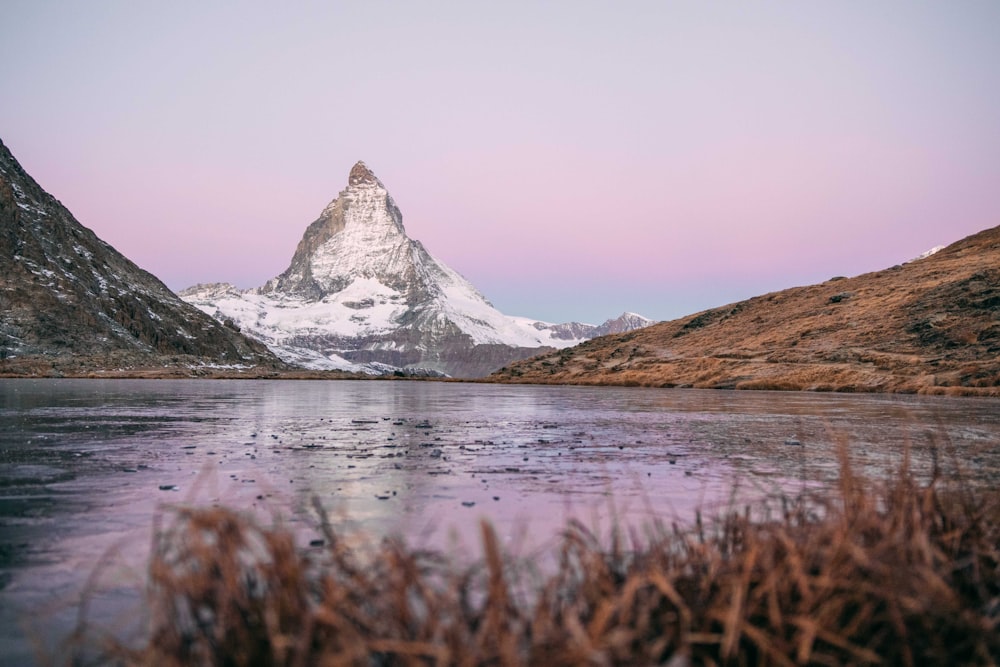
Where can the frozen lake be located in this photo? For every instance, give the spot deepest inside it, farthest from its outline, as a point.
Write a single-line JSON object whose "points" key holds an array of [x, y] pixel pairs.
{"points": [[85, 465]]}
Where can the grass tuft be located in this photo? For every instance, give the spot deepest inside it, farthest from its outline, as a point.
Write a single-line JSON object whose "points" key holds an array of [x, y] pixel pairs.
{"points": [[897, 572]]}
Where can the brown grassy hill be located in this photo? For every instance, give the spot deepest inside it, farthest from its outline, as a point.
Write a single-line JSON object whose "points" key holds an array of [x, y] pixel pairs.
{"points": [[928, 326]]}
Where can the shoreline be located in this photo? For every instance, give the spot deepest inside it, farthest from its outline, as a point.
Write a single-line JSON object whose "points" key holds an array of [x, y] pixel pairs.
{"points": [[215, 373]]}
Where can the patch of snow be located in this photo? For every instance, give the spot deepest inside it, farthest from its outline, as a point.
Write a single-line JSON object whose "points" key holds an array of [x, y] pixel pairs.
{"points": [[23, 201], [545, 331], [101, 282], [925, 255], [319, 361]]}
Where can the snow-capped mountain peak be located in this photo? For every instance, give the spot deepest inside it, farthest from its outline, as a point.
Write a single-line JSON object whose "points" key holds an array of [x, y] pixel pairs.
{"points": [[924, 255], [361, 174], [359, 291], [359, 234]]}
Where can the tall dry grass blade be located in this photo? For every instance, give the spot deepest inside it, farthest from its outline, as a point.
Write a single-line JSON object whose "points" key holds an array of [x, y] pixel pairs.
{"points": [[732, 618], [895, 572]]}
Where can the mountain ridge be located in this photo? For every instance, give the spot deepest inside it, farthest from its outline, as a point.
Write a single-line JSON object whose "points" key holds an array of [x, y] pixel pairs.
{"points": [[70, 300], [930, 325]]}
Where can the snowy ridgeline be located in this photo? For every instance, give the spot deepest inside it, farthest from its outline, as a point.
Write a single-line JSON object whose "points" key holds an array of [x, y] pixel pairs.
{"points": [[320, 334], [368, 316], [360, 295]]}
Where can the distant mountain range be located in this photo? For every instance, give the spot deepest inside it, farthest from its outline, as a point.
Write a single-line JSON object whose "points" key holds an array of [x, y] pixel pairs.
{"points": [[930, 325], [70, 303], [360, 295]]}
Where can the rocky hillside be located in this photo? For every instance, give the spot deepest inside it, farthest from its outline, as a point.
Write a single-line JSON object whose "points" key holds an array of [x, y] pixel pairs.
{"points": [[360, 295], [930, 326], [69, 302]]}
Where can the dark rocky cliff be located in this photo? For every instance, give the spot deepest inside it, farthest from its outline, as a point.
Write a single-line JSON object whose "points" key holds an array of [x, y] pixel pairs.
{"points": [[68, 298]]}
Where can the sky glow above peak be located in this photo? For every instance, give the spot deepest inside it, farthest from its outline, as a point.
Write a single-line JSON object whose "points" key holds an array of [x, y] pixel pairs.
{"points": [[573, 160]]}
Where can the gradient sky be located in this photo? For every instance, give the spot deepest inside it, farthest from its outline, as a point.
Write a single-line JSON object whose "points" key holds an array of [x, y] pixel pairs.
{"points": [[572, 159]]}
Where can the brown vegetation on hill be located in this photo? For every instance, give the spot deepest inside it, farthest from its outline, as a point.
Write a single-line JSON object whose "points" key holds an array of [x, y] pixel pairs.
{"points": [[897, 572], [928, 326]]}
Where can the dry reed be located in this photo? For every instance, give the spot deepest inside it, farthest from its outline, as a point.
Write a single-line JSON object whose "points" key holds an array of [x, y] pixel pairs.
{"points": [[897, 572]]}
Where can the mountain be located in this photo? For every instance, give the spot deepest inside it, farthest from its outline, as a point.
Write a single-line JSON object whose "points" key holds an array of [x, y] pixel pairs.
{"points": [[575, 332], [931, 325], [69, 302], [360, 295]]}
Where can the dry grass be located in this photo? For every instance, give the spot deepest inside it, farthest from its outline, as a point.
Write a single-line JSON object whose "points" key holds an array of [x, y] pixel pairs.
{"points": [[897, 572], [923, 327]]}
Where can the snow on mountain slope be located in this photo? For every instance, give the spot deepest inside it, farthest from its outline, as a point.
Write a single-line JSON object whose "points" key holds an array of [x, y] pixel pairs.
{"points": [[359, 294], [924, 255]]}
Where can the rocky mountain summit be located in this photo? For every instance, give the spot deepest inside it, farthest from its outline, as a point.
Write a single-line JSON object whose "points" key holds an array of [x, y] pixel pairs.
{"points": [[69, 302], [930, 325], [360, 295]]}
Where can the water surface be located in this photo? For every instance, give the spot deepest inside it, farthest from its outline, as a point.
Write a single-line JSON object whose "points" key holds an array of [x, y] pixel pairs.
{"points": [[85, 465]]}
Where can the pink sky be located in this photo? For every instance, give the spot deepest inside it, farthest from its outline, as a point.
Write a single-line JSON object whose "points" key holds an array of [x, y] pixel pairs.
{"points": [[573, 160]]}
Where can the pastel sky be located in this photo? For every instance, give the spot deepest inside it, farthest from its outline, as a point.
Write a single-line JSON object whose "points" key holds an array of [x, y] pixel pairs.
{"points": [[572, 159]]}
